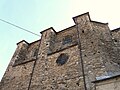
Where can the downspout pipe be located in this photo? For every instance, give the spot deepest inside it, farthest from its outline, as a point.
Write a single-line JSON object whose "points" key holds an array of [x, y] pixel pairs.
{"points": [[34, 66], [81, 59]]}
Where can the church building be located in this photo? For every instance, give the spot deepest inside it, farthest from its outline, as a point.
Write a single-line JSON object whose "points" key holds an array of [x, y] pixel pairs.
{"points": [[85, 56]]}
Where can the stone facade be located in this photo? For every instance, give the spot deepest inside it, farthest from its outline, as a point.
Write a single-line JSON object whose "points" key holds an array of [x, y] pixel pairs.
{"points": [[70, 59]]}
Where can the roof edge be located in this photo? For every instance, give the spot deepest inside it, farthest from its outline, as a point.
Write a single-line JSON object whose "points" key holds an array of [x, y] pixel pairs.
{"points": [[23, 41], [34, 42], [99, 22], [115, 30], [66, 29], [48, 29], [82, 15]]}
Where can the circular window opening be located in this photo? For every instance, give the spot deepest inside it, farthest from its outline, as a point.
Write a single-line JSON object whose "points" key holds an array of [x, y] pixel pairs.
{"points": [[62, 59]]}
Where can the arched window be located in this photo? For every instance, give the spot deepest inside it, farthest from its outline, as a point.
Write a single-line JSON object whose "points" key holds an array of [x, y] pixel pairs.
{"points": [[67, 39], [62, 59]]}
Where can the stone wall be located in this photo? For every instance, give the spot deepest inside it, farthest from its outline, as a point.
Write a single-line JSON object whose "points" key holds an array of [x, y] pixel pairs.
{"points": [[48, 75], [57, 42], [97, 48], [116, 40], [18, 73]]}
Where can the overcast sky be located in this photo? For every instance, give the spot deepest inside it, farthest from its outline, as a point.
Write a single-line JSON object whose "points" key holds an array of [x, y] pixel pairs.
{"points": [[38, 15]]}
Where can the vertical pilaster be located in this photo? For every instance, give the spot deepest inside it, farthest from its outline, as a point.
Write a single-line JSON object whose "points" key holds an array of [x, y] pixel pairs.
{"points": [[39, 74], [96, 48]]}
